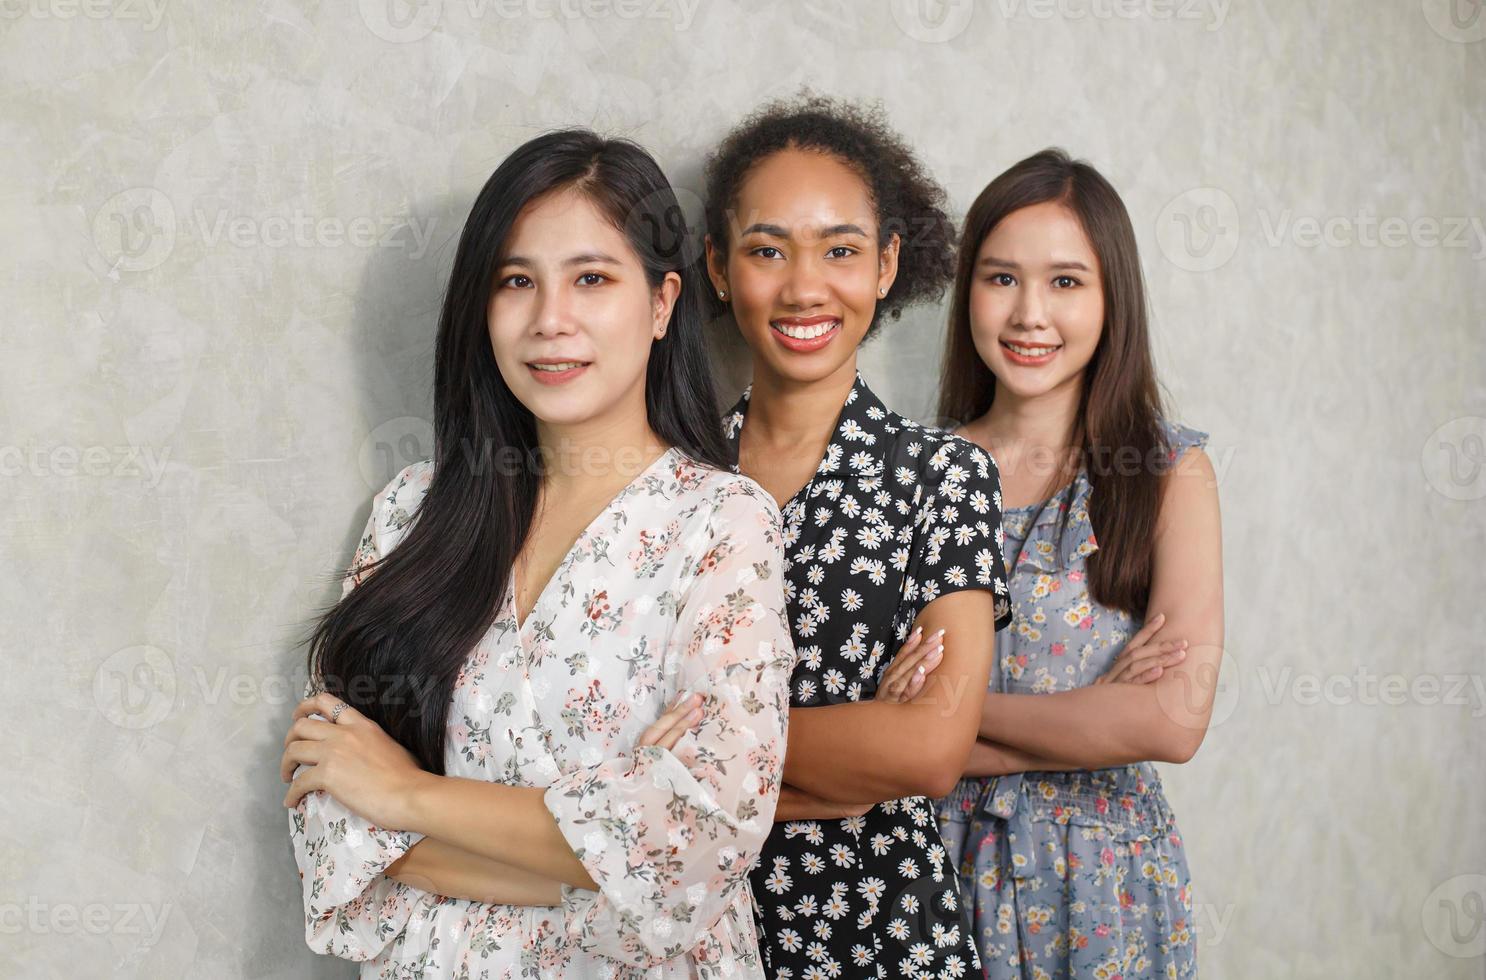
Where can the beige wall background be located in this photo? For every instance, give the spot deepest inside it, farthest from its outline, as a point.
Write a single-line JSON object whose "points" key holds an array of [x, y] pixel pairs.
{"points": [[226, 229]]}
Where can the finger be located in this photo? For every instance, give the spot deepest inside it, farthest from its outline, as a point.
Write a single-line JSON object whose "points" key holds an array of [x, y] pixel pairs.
{"points": [[1147, 631], [909, 645], [323, 704], [305, 783], [297, 754], [1140, 670], [669, 739], [904, 665], [667, 736], [669, 719], [308, 728], [1137, 649], [920, 677]]}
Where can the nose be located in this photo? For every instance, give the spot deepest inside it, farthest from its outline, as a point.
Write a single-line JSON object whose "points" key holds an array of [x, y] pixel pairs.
{"points": [[554, 316], [1030, 312], [805, 285]]}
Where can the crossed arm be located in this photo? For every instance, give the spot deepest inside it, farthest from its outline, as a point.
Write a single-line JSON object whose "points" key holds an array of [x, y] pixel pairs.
{"points": [[510, 853], [1164, 720], [1153, 704]]}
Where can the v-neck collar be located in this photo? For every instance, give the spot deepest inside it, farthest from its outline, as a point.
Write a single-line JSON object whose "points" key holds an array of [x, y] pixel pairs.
{"points": [[512, 586], [859, 440]]}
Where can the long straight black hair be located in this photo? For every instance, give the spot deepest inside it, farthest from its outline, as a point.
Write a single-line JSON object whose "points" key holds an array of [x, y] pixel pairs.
{"points": [[394, 646]]}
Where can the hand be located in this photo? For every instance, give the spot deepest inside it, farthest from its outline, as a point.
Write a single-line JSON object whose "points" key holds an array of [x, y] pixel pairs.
{"points": [[352, 759], [667, 730], [910, 669], [1142, 662]]}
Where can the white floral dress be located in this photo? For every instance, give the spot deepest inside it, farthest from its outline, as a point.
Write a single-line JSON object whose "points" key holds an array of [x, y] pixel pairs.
{"points": [[677, 585]]}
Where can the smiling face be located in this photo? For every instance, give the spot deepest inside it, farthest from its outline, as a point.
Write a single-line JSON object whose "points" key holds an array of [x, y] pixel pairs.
{"points": [[571, 314], [803, 272], [1036, 300]]}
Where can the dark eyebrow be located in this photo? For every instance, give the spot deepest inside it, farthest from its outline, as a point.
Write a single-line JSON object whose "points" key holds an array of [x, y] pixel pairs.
{"points": [[991, 260], [585, 258], [778, 231]]}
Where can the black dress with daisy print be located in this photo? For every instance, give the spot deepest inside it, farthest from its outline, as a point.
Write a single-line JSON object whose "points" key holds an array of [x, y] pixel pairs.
{"points": [[895, 516]]}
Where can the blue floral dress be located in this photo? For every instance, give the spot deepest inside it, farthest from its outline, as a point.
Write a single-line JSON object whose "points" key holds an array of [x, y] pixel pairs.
{"points": [[1081, 873]]}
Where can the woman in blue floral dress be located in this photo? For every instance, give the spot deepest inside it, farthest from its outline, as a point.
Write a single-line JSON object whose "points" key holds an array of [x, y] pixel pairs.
{"points": [[1069, 856]]}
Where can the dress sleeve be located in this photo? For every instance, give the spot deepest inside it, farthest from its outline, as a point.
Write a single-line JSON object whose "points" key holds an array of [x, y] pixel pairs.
{"points": [[351, 909], [669, 836], [960, 543], [1179, 438]]}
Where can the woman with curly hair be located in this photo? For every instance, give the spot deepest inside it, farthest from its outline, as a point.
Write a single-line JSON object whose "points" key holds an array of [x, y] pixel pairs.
{"points": [[821, 224]]}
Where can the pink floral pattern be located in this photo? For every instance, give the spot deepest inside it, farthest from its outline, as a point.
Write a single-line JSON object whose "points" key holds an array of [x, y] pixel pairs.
{"points": [[677, 585]]}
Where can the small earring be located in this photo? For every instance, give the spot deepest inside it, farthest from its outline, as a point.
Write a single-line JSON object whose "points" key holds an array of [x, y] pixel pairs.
{"points": [[882, 292], [722, 294]]}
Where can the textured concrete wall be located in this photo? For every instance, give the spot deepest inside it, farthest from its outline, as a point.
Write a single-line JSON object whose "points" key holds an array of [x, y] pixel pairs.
{"points": [[226, 229]]}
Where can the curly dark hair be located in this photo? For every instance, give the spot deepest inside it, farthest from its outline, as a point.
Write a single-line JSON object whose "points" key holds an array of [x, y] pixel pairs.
{"points": [[906, 198]]}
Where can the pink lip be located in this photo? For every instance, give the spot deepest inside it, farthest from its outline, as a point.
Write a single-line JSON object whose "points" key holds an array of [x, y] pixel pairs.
{"points": [[805, 346], [554, 377], [1023, 359]]}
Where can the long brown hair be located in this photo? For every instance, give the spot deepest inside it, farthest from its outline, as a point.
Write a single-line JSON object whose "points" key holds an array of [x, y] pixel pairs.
{"points": [[1119, 411]]}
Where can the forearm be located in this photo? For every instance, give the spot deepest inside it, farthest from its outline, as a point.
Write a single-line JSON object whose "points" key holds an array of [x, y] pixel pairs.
{"points": [[509, 824], [1090, 727], [871, 751], [442, 868], [997, 759]]}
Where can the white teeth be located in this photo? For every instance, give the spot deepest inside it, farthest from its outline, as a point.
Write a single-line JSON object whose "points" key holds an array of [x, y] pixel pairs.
{"points": [[564, 366], [1032, 351], [806, 333]]}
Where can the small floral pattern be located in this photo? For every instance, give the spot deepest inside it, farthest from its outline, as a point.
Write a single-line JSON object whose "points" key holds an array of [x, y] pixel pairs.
{"points": [[1082, 873], [895, 516], [678, 584]]}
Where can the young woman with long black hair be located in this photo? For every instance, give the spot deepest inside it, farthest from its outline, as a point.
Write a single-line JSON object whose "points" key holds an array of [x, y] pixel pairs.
{"points": [[820, 223], [1070, 855], [550, 719]]}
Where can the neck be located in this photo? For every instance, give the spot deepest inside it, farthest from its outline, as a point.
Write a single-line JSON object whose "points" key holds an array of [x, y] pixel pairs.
{"points": [[1019, 429], [784, 413], [601, 452]]}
